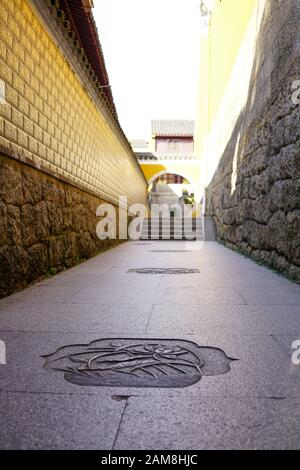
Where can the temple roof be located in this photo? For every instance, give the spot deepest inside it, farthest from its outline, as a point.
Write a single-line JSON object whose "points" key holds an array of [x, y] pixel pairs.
{"points": [[80, 16], [172, 128]]}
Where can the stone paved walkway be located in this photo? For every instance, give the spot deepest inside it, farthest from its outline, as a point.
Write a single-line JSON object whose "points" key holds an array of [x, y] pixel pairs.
{"points": [[233, 304]]}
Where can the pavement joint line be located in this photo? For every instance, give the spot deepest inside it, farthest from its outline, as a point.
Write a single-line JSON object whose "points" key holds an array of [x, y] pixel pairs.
{"points": [[150, 316], [282, 349], [143, 395], [178, 303], [34, 392], [240, 295], [209, 331], [230, 305], [120, 423]]}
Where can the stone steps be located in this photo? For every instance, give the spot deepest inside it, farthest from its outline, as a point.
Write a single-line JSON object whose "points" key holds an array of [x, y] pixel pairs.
{"points": [[172, 229]]}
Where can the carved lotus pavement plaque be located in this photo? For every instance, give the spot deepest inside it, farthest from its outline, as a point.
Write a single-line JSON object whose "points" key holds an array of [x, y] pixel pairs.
{"points": [[160, 363], [171, 251], [164, 271]]}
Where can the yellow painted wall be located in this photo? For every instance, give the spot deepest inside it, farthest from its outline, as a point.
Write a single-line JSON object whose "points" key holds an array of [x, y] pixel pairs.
{"points": [[189, 170], [229, 22], [202, 125], [51, 120], [151, 170], [220, 46]]}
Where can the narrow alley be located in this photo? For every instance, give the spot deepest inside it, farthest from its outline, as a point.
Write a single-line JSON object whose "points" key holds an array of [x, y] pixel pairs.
{"points": [[149, 230]]}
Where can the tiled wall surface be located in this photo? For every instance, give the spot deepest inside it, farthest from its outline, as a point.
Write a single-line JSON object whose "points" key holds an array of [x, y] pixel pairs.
{"points": [[49, 118]]}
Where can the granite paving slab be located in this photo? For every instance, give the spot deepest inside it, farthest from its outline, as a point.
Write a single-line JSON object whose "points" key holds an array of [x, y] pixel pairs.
{"points": [[209, 423], [244, 310]]}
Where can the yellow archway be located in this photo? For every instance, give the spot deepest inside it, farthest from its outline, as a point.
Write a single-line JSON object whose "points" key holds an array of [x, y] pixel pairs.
{"points": [[188, 169]]}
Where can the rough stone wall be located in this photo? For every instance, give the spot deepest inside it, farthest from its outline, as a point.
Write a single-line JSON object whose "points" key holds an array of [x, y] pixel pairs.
{"points": [[254, 195], [45, 225]]}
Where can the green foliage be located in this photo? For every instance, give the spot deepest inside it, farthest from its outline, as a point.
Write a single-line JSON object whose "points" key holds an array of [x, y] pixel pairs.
{"points": [[51, 271]]}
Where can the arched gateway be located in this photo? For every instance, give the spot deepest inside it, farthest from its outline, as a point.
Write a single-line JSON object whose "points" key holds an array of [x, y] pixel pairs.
{"points": [[170, 152], [173, 174]]}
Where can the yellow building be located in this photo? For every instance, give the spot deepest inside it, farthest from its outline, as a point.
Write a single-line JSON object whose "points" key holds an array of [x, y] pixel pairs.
{"points": [[170, 155]]}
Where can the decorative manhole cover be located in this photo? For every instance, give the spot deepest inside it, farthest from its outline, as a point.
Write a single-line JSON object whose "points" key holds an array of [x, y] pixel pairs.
{"points": [[138, 363], [164, 271]]}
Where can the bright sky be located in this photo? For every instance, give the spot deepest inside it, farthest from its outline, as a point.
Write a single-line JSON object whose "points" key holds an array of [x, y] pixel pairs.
{"points": [[151, 50]]}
